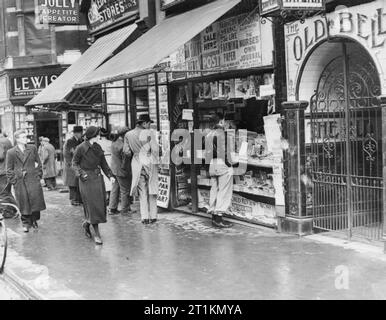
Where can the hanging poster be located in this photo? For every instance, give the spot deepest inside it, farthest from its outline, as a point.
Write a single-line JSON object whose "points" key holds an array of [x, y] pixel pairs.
{"points": [[177, 63], [163, 191], [210, 48], [153, 104], [229, 43], [193, 57]]}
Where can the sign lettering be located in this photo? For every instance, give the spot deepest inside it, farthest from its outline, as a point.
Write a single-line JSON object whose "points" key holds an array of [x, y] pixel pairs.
{"points": [[30, 85], [58, 11]]}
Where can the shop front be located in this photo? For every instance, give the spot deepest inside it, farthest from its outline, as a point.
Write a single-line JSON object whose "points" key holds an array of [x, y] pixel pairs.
{"points": [[189, 69], [336, 81]]}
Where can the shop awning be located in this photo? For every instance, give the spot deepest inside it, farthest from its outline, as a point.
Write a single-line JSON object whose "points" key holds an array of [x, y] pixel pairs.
{"points": [[157, 44], [59, 91]]}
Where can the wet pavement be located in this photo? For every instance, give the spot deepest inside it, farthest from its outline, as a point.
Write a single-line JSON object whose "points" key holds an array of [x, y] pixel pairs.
{"points": [[183, 257]]}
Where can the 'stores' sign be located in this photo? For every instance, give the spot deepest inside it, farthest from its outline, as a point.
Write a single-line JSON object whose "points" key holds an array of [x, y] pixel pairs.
{"points": [[58, 11], [103, 13]]}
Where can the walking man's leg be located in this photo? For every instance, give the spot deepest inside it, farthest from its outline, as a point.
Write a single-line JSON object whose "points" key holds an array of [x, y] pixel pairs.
{"points": [[124, 185], [153, 208], [114, 198], [143, 190]]}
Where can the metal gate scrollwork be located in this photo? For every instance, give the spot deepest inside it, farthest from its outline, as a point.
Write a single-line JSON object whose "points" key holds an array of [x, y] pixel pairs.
{"points": [[345, 156]]}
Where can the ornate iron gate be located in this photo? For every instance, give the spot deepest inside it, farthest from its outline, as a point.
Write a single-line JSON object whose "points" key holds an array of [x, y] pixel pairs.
{"points": [[345, 159]]}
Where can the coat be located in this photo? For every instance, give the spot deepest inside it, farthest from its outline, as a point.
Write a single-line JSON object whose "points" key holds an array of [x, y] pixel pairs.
{"points": [[87, 163], [24, 171], [5, 145], [48, 161], [106, 147], [142, 147], [69, 177], [120, 163]]}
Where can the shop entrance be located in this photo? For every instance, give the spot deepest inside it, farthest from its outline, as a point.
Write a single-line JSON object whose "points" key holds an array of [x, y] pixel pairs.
{"points": [[49, 129], [345, 153]]}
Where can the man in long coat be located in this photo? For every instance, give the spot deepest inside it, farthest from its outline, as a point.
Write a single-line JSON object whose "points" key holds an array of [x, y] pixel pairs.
{"points": [[69, 177], [24, 171], [49, 166], [141, 145], [5, 186]]}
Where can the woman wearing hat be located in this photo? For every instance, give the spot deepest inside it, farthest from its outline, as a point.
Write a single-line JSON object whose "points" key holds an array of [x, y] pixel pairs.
{"points": [[88, 161]]}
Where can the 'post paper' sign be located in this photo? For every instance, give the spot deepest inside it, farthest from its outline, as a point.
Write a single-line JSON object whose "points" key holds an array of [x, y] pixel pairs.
{"points": [[58, 11]]}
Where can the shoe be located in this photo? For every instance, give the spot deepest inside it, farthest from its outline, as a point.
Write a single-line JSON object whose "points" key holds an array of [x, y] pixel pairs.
{"points": [[146, 221], [87, 231], [227, 224], [153, 220], [35, 225], [75, 203], [114, 211], [98, 240], [26, 229]]}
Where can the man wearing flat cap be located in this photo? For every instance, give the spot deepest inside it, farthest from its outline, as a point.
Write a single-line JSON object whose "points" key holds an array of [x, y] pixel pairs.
{"points": [[141, 144], [69, 177]]}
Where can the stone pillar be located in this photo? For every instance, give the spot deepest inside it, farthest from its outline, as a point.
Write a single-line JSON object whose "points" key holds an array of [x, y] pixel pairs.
{"points": [[20, 27], [296, 220], [382, 101]]}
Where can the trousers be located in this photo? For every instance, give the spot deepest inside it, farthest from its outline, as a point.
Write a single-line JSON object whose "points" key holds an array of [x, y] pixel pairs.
{"points": [[147, 202], [75, 194], [121, 187], [27, 220], [221, 191]]}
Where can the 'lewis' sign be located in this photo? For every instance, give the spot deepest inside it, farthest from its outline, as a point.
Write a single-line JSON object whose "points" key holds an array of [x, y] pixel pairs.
{"points": [[58, 11], [30, 85]]}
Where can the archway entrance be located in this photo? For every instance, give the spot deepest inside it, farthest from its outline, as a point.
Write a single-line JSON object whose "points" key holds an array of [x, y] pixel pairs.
{"points": [[345, 151]]}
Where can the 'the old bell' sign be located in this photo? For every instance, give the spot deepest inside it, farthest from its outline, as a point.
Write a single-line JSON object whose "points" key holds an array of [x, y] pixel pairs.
{"points": [[58, 11], [270, 6]]}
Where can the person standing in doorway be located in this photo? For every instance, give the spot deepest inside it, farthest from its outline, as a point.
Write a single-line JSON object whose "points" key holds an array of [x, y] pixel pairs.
{"points": [[221, 173], [69, 178], [49, 166], [88, 161], [121, 168], [24, 171], [141, 146]]}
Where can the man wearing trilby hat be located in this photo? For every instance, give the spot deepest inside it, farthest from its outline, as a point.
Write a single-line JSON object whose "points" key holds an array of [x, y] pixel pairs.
{"points": [[69, 178], [141, 144]]}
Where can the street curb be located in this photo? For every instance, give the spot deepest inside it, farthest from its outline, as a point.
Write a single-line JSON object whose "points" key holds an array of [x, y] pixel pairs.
{"points": [[20, 286]]}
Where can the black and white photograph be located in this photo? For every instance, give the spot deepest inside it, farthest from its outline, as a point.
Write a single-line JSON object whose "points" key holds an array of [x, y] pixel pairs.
{"points": [[172, 152]]}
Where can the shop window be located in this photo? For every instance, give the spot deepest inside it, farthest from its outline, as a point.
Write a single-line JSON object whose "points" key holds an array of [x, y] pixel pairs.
{"points": [[71, 117]]}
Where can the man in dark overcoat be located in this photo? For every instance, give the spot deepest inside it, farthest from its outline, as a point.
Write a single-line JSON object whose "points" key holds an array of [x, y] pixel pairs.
{"points": [[69, 177], [24, 171]]}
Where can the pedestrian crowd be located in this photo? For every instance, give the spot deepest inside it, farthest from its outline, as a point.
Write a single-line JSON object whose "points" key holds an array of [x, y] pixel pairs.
{"points": [[101, 171]]}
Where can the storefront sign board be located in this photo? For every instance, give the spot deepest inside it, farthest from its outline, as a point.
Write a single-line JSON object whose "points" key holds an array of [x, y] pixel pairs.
{"points": [[365, 24], [30, 85], [58, 11], [105, 13], [269, 6], [163, 191], [165, 4]]}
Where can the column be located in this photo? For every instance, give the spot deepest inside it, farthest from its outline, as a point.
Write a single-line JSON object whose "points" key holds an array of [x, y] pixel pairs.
{"points": [[296, 220], [20, 27], [382, 101]]}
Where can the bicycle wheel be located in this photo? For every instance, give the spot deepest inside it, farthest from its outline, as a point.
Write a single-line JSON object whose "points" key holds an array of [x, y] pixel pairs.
{"points": [[3, 245]]}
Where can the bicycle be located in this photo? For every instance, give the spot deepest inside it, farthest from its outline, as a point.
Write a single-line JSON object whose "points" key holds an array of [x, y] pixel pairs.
{"points": [[3, 235]]}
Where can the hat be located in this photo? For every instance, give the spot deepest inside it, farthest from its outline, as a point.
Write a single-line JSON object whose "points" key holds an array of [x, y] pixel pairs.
{"points": [[91, 132], [45, 139], [144, 118], [77, 129], [104, 132]]}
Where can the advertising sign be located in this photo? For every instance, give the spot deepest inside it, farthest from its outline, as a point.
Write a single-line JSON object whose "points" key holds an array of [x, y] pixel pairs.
{"points": [[268, 6], [107, 12], [23, 86], [58, 11], [163, 191]]}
